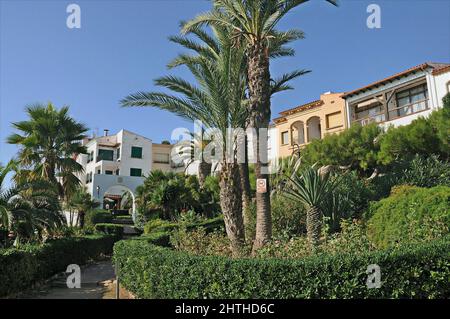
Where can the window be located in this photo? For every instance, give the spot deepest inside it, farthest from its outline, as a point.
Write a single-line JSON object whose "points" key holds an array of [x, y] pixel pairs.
{"points": [[106, 155], [136, 152], [108, 172], [410, 101], [117, 171], [136, 172], [90, 157], [162, 158], [334, 120], [88, 178], [285, 138], [118, 153]]}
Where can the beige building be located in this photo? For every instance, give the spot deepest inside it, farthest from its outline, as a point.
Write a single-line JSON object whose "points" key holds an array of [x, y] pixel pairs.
{"points": [[298, 126]]}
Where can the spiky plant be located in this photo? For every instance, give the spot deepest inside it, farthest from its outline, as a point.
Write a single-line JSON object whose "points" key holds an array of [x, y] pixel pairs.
{"points": [[310, 188]]}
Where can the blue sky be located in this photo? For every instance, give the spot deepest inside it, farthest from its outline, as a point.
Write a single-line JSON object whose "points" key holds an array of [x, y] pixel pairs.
{"points": [[122, 46]]}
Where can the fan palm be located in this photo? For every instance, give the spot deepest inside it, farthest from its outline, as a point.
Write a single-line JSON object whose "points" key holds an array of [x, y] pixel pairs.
{"points": [[81, 202], [48, 142], [218, 101], [311, 189], [253, 23], [5, 195]]}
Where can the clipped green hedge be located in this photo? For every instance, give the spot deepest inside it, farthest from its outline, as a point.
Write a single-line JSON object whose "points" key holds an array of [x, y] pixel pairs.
{"points": [[410, 213], [148, 271], [111, 229], [98, 216], [159, 225], [21, 268]]}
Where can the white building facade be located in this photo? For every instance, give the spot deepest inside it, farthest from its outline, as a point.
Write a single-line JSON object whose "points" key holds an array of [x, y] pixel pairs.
{"points": [[115, 165], [400, 98]]}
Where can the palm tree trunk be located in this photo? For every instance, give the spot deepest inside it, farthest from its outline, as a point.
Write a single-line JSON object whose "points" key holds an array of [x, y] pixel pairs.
{"points": [[259, 113], [231, 204], [246, 193], [204, 170], [313, 224]]}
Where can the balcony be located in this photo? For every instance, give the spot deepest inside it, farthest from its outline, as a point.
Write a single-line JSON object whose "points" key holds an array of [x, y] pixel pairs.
{"points": [[394, 113]]}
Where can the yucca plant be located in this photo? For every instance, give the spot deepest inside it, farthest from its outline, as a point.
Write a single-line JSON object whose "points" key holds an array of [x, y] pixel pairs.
{"points": [[310, 188]]}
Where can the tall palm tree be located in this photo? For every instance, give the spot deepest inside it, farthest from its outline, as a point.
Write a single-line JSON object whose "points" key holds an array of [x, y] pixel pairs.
{"points": [[48, 142], [311, 189], [210, 49], [218, 101], [253, 23]]}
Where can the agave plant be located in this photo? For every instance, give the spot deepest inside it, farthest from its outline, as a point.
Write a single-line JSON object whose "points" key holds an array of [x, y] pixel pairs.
{"points": [[310, 188]]}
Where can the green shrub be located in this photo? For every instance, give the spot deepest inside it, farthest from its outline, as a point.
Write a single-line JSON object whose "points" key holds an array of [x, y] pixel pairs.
{"points": [[199, 242], [148, 271], [97, 216], [288, 217], [21, 268], [426, 172], [410, 214], [111, 229], [159, 225]]}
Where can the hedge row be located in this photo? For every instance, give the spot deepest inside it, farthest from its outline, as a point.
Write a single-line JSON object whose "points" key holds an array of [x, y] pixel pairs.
{"points": [[148, 271], [21, 268], [159, 225], [110, 229]]}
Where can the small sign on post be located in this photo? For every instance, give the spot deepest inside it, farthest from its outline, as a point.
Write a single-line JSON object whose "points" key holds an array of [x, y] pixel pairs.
{"points": [[261, 185]]}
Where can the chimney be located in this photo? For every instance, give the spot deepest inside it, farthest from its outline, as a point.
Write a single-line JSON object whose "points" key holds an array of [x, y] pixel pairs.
{"points": [[105, 132]]}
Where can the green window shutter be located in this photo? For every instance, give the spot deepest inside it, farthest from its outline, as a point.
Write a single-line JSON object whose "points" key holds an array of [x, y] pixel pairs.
{"points": [[136, 172], [106, 155], [136, 152]]}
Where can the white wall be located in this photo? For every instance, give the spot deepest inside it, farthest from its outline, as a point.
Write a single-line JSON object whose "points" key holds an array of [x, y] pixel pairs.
{"points": [[127, 140], [442, 84]]}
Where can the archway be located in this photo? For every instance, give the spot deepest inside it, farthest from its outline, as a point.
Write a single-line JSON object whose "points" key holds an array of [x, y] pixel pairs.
{"points": [[298, 133], [119, 198], [314, 128]]}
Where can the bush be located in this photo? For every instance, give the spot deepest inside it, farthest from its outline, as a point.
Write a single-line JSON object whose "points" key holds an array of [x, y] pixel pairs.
{"points": [[199, 242], [111, 229], [97, 216], [159, 225], [351, 238], [426, 172], [21, 268], [356, 146], [288, 217], [410, 214], [148, 271]]}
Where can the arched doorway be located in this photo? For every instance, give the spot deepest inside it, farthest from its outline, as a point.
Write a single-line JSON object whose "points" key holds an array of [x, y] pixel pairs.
{"points": [[119, 198], [314, 128], [298, 133]]}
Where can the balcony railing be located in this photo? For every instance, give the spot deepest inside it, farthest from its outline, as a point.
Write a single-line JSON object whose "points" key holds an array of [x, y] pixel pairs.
{"points": [[395, 113]]}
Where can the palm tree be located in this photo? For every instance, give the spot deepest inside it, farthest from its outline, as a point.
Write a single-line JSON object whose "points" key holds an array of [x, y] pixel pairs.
{"points": [[5, 195], [311, 189], [218, 101], [81, 202], [210, 50], [49, 141], [253, 23]]}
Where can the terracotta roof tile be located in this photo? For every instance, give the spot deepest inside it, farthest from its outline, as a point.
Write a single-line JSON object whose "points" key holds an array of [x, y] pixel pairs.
{"points": [[435, 66]]}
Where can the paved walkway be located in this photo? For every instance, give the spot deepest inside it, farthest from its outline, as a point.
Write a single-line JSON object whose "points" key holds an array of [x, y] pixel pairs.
{"points": [[96, 283]]}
